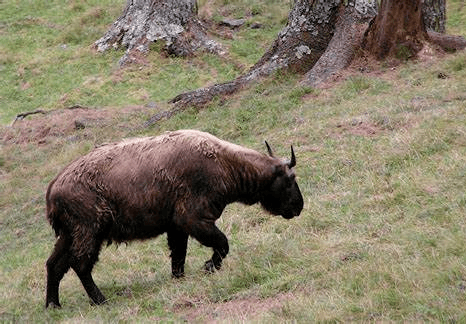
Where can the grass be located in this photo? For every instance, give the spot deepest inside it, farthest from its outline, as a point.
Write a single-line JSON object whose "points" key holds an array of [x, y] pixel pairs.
{"points": [[381, 164]]}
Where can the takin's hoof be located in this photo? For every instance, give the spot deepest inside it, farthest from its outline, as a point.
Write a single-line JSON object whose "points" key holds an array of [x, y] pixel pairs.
{"points": [[209, 267], [178, 275], [98, 300], [52, 305]]}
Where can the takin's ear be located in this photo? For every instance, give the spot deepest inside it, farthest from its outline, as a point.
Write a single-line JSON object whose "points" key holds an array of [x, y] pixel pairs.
{"points": [[292, 162]]}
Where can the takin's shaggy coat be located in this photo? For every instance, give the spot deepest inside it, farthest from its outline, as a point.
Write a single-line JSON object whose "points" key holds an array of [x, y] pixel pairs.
{"points": [[177, 183]]}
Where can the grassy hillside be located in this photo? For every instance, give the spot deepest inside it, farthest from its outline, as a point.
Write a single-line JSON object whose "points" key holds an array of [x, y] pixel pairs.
{"points": [[381, 164]]}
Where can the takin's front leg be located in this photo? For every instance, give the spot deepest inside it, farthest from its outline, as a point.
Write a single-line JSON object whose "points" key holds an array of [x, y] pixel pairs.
{"points": [[178, 243], [209, 235]]}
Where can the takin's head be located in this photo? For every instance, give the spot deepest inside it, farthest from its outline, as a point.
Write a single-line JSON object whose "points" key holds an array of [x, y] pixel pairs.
{"points": [[283, 197]]}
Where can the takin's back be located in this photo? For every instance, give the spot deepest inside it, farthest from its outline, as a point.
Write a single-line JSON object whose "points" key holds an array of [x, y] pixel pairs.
{"points": [[170, 159]]}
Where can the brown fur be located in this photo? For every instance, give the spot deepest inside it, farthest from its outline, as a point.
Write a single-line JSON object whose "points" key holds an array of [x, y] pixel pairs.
{"points": [[178, 183]]}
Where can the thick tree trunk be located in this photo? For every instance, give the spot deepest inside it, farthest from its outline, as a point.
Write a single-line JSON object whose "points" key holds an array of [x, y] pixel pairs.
{"points": [[434, 14], [146, 21], [398, 30], [310, 29], [300, 44]]}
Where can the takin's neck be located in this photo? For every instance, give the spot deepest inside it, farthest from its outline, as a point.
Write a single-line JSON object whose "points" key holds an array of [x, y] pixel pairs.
{"points": [[249, 177]]}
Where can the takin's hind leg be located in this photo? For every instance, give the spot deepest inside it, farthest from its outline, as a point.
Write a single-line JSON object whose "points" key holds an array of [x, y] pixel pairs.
{"points": [[83, 266], [57, 265]]}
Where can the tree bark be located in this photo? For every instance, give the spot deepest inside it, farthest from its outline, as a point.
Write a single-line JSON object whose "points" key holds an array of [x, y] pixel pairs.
{"points": [[349, 30], [310, 29], [448, 43], [433, 12], [146, 21], [299, 45], [398, 30]]}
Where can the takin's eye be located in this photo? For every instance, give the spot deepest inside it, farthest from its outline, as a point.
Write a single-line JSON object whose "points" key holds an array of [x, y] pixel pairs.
{"points": [[283, 182]]}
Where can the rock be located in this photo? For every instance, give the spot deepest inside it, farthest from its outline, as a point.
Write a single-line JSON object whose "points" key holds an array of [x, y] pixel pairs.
{"points": [[255, 25], [80, 124], [232, 23]]}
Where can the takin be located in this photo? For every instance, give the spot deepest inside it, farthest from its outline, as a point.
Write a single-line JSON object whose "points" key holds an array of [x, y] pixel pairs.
{"points": [[177, 183]]}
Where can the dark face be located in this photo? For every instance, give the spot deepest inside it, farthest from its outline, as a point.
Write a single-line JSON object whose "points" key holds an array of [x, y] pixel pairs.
{"points": [[283, 196]]}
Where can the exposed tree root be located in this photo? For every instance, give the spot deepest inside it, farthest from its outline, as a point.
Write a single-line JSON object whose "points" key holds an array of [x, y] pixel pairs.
{"points": [[298, 47], [448, 43], [321, 38]]}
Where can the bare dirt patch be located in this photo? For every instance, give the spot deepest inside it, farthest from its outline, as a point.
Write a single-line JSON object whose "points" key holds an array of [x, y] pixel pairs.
{"points": [[238, 310], [360, 127], [362, 65], [41, 126]]}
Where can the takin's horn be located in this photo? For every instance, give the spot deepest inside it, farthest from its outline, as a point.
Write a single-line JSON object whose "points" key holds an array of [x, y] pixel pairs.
{"points": [[269, 149], [292, 162]]}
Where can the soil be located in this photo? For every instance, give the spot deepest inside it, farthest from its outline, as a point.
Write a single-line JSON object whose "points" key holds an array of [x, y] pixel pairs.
{"points": [[237, 310]]}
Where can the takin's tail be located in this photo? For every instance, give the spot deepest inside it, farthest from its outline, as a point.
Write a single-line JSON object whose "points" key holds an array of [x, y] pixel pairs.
{"points": [[53, 211]]}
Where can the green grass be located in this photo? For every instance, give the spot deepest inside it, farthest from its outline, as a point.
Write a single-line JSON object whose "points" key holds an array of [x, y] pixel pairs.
{"points": [[381, 164]]}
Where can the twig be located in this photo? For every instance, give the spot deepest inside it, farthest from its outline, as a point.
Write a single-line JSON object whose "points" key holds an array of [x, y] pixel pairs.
{"points": [[21, 116], [77, 106]]}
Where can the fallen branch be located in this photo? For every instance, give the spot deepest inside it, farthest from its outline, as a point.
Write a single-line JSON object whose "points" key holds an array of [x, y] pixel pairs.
{"points": [[23, 115]]}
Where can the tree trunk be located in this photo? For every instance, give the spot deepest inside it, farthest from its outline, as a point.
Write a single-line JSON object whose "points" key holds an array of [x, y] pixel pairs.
{"points": [[434, 19], [299, 45], [398, 30], [146, 21]]}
